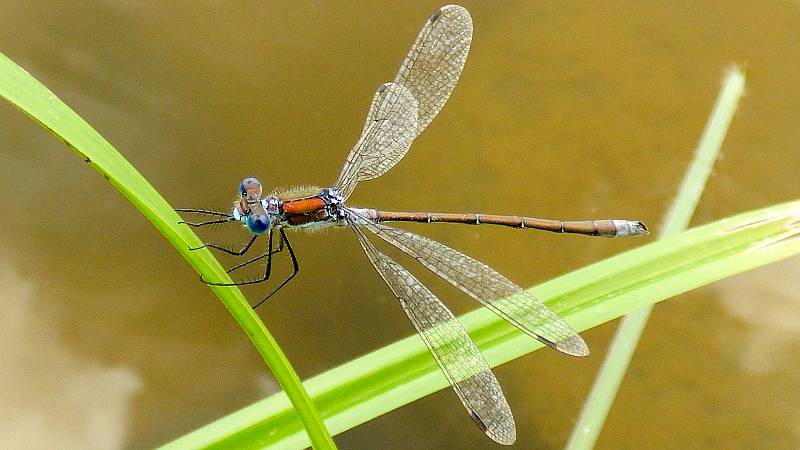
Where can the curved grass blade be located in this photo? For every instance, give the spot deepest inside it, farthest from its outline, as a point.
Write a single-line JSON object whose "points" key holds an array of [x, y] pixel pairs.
{"points": [[620, 352], [400, 373], [31, 97]]}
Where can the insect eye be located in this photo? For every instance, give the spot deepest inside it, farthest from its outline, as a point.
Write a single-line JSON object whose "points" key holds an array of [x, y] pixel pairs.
{"points": [[251, 184], [257, 223]]}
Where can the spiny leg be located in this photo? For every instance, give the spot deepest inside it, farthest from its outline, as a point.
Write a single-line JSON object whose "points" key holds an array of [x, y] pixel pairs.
{"points": [[257, 258], [226, 217], [210, 222], [295, 267], [260, 280], [230, 251], [204, 211], [268, 271]]}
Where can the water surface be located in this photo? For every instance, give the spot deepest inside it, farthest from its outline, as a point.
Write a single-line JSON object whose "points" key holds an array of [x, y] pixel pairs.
{"points": [[572, 111]]}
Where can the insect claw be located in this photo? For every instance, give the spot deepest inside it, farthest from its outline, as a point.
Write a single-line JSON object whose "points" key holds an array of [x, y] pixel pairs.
{"points": [[209, 283]]}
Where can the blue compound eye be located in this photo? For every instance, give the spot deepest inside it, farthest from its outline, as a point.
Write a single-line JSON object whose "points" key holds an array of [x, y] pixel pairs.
{"points": [[250, 186], [257, 223]]}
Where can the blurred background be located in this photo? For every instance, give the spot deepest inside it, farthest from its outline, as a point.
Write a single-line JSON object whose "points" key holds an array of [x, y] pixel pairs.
{"points": [[574, 111]]}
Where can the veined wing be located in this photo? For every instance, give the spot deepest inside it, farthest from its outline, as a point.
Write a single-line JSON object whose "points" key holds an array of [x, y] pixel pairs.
{"points": [[388, 132], [486, 285], [457, 356], [428, 75], [434, 63]]}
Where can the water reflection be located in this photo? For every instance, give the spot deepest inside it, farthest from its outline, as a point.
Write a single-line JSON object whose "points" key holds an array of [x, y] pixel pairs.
{"points": [[53, 398], [766, 301]]}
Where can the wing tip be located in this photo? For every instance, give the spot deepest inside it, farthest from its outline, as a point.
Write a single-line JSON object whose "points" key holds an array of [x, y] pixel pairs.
{"points": [[573, 345], [503, 437], [455, 8]]}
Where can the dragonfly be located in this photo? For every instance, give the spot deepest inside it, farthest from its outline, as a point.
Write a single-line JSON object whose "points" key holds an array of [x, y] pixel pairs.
{"points": [[400, 110]]}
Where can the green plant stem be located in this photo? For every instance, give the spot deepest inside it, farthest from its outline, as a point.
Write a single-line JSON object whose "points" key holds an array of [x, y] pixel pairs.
{"points": [[402, 372], [31, 97], [626, 339]]}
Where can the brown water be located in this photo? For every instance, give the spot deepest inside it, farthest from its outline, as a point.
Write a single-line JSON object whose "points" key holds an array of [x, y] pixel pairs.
{"points": [[580, 111]]}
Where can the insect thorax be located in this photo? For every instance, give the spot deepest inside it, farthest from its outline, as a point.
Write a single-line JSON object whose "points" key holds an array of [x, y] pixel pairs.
{"points": [[309, 208]]}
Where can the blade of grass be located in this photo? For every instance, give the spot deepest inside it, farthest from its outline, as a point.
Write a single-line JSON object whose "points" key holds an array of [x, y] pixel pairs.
{"points": [[400, 373], [626, 339], [34, 99]]}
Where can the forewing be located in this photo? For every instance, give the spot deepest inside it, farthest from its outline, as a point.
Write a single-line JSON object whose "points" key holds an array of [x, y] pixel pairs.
{"points": [[388, 132], [457, 356], [403, 109], [490, 288], [434, 63]]}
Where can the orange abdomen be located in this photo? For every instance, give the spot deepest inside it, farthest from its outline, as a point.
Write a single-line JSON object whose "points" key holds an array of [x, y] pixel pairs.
{"points": [[303, 206]]}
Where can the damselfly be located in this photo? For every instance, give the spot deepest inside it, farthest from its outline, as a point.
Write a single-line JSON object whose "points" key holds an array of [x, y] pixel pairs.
{"points": [[400, 111]]}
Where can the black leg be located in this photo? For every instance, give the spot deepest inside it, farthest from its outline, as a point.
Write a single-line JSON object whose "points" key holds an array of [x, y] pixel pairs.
{"points": [[260, 280], [210, 222], [257, 258], [229, 251], [295, 269], [268, 271], [227, 217], [204, 211]]}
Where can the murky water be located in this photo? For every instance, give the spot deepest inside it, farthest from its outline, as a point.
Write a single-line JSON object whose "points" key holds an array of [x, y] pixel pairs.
{"points": [[579, 111]]}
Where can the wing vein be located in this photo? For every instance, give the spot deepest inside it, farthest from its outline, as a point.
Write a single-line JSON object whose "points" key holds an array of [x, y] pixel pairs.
{"points": [[406, 106], [494, 291], [453, 350]]}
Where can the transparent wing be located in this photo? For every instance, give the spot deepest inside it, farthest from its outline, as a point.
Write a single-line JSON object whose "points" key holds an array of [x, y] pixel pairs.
{"points": [[486, 285], [388, 132], [435, 61], [457, 356], [428, 75]]}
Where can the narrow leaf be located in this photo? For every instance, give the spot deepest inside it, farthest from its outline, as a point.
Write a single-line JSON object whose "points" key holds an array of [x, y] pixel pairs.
{"points": [[400, 373], [31, 97], [620, 352]]}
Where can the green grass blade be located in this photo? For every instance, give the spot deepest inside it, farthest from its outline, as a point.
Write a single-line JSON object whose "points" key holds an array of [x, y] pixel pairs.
{"points": [[400, 373], [626, 339], [26, 93]]}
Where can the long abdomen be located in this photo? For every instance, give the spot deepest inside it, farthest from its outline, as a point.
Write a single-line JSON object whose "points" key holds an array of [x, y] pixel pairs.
{"points": [[606, 228]]}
